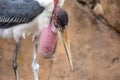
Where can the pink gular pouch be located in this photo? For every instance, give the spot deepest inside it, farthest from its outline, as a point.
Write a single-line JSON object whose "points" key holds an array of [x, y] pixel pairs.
{"points": [[48, 40]]}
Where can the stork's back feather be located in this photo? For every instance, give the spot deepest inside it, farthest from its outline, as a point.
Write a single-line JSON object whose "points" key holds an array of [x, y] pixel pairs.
{"points": [[13, 12]]}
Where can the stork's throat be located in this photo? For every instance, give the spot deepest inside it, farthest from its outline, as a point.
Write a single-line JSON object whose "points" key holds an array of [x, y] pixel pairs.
{"points": [[48, 41]]}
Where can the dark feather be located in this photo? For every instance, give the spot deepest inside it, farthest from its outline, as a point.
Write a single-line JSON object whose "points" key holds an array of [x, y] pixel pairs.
{"points": [[13, 12]]}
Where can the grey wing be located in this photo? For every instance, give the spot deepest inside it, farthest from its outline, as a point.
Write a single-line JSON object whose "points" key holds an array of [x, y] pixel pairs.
{"points": [[14, 12]]}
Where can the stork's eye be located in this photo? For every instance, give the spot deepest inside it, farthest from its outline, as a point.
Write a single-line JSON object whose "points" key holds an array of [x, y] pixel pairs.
{"points": [[56, 25], [62, 19]]}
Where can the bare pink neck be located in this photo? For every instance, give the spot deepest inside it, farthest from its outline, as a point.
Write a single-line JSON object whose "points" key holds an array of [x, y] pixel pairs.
{"points": [[54, 15]]}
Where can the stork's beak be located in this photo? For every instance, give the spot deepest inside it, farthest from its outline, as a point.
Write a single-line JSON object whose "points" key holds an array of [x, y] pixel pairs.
{"points": [[64, 38]]}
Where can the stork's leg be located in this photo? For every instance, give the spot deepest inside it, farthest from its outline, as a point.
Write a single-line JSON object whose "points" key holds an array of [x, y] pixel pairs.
{"points": [[15, 64], [51, 62], [35, 65]]}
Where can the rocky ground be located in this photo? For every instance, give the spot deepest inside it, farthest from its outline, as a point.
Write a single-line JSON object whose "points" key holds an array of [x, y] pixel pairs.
{"points": [[95, 49]]}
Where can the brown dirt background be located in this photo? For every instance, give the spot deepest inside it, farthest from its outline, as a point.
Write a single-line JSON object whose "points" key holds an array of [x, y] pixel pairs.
{"points": [[95, 50]]}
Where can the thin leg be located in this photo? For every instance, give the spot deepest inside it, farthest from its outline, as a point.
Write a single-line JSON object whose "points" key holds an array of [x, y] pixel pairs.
{"points": [[15, 64], [35, 65], [51, 62]]}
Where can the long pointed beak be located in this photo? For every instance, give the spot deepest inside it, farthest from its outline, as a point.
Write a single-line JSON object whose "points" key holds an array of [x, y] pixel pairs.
{"points": [[64, 38]]}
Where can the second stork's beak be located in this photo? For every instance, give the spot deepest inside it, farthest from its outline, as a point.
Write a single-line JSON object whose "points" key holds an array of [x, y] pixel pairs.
{"points": [[64, 38]]}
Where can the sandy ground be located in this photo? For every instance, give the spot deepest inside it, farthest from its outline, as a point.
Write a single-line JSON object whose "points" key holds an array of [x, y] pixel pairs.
{"points": [[95, 50]]}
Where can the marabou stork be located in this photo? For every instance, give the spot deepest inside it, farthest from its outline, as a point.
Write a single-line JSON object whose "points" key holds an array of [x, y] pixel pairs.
{"points": [[19, 18]]}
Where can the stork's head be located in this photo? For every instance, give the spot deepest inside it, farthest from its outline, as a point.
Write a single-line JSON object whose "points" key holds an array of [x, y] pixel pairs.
{"points": [[57, 27]]}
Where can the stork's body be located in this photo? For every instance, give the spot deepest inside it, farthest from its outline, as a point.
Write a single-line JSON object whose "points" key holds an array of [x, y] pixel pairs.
{"points": [[20, 27], [19, 18]]}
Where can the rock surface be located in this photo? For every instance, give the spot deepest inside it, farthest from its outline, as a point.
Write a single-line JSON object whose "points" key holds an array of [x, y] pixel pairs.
{"points": [[109, 9], [95, 50], [112, 12]]}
